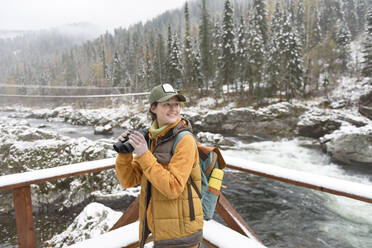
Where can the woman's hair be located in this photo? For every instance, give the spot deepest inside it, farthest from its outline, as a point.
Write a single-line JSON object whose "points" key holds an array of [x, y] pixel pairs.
{"points": [[152, 115]]}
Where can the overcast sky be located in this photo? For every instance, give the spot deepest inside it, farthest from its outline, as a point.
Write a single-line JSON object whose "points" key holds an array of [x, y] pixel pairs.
{"points": [[109, 14]]}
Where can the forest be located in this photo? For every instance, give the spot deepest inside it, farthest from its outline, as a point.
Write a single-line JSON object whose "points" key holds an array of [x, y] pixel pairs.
{"points": [[246, 50]]}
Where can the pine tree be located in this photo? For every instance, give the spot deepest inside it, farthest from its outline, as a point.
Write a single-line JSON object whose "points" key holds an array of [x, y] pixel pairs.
{"points": [[168, 77], [216, 51], [205, 46], [343, 39], [241, 55], [227, 59], [350, 15], [361, 11], [187, 51], [275, 48], [256, 56], [367, 46], [259, 17], [148, 69], [293, 59], [300, 21], [159, 61], [104, 65], [196, 74], [118, 71], [175, 65], [313, 34]]}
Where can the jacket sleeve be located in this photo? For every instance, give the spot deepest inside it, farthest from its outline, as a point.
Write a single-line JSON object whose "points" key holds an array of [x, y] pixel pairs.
{"points": [[171, 181], [128, 170]]}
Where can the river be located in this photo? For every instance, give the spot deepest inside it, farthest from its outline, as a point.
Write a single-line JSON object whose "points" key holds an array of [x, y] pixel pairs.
{"points": [[282, 215]]}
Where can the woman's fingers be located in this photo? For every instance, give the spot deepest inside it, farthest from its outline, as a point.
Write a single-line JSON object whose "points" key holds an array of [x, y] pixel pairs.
{"points": [[123, 135], [138, 142]]}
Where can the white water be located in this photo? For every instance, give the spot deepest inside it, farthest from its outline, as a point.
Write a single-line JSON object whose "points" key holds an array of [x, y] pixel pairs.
{"points": [[354, 225]]}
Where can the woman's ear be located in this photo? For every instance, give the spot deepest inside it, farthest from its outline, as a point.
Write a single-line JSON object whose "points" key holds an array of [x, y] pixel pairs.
{"points": [[152, 109]]}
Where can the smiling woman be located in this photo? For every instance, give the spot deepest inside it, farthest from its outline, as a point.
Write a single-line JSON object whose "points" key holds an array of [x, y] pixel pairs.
{"points": [[109, 14], [169, 208]]}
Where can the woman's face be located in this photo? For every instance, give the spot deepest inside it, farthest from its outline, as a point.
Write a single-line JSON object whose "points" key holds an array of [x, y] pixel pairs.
{"points": [[167, 112]]}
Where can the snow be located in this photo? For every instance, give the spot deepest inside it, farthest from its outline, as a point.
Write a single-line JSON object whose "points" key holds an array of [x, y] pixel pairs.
{"points": [[212, 231], [120, 237], [95, 220], [46, 174], [352, 188]]}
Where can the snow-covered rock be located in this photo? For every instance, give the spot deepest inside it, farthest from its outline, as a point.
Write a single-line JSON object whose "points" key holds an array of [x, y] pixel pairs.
{"points": [[365, 105], [93, 221], [317, 122], [23, 148], [280, 118], [350, 145], [213, 138], [106, 129]]}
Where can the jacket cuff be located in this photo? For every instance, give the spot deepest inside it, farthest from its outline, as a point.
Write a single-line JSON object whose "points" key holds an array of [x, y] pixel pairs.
{"points": [[123, 158]]}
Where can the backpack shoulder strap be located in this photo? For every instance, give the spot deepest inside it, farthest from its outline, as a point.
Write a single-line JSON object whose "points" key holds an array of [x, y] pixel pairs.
{"points": [[179, 136]]}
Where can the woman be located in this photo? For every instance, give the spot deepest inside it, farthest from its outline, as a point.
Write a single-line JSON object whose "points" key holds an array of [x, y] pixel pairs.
{"points": [[169, 208]]}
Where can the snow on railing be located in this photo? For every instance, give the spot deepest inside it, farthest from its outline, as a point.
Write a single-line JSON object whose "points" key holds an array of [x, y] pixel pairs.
{"points": [[327, 184], [49, 174]]}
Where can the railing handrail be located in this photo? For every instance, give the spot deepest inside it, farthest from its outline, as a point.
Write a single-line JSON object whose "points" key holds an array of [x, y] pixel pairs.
{"points": [[327, 184], [38, 176], [322, 183]]}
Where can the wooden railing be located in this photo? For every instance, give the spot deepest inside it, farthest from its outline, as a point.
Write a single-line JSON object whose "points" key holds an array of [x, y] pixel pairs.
{"points": [[20, 184]]}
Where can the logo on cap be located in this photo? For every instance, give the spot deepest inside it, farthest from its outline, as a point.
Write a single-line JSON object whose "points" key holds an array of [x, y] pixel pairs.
{"points": [[167, 88]]}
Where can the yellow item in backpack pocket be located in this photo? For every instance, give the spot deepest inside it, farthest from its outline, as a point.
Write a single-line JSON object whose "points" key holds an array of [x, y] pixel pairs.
{"points": [[215, 181]]}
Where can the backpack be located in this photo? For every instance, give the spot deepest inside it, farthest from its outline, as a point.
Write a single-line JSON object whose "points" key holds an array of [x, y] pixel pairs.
{"points": [[210, 158]]}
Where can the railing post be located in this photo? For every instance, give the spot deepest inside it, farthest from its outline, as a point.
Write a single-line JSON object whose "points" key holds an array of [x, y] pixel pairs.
{"points": [[129, 216], [24, 219]]}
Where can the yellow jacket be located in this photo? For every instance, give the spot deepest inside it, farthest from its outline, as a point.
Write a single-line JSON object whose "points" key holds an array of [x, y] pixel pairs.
{"points": [[168, 213]]}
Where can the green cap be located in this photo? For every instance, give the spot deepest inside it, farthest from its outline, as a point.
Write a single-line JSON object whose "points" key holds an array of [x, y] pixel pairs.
{"points": [[164, 92]]}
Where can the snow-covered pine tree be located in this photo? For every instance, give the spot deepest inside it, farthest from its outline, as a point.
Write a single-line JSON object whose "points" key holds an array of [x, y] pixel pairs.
{"points": [[159, 61], [148, 69], [313, 34], [175, 64], [330, 12], [300, 21], [343, 39], [350, 15], [104, 65], [205, 46], [274, 66], [241, 56], [293, 59], [256, 55], [196, 74], [259, 17], [216, 51], [227, 60], [118, 72], [361, 10], [367, 46], [169, 54], [187, 54]]}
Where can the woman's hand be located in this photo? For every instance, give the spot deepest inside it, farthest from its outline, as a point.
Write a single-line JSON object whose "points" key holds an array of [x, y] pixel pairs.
{"points": [[123, 136], [138, 142]]}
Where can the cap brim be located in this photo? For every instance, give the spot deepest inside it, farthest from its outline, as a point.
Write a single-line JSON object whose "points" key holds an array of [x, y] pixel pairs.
{"points": [[180, 97]]}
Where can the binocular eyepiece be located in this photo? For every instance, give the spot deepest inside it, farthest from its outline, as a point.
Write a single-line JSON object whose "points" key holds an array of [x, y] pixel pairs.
{"points": [[124, 146]]}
